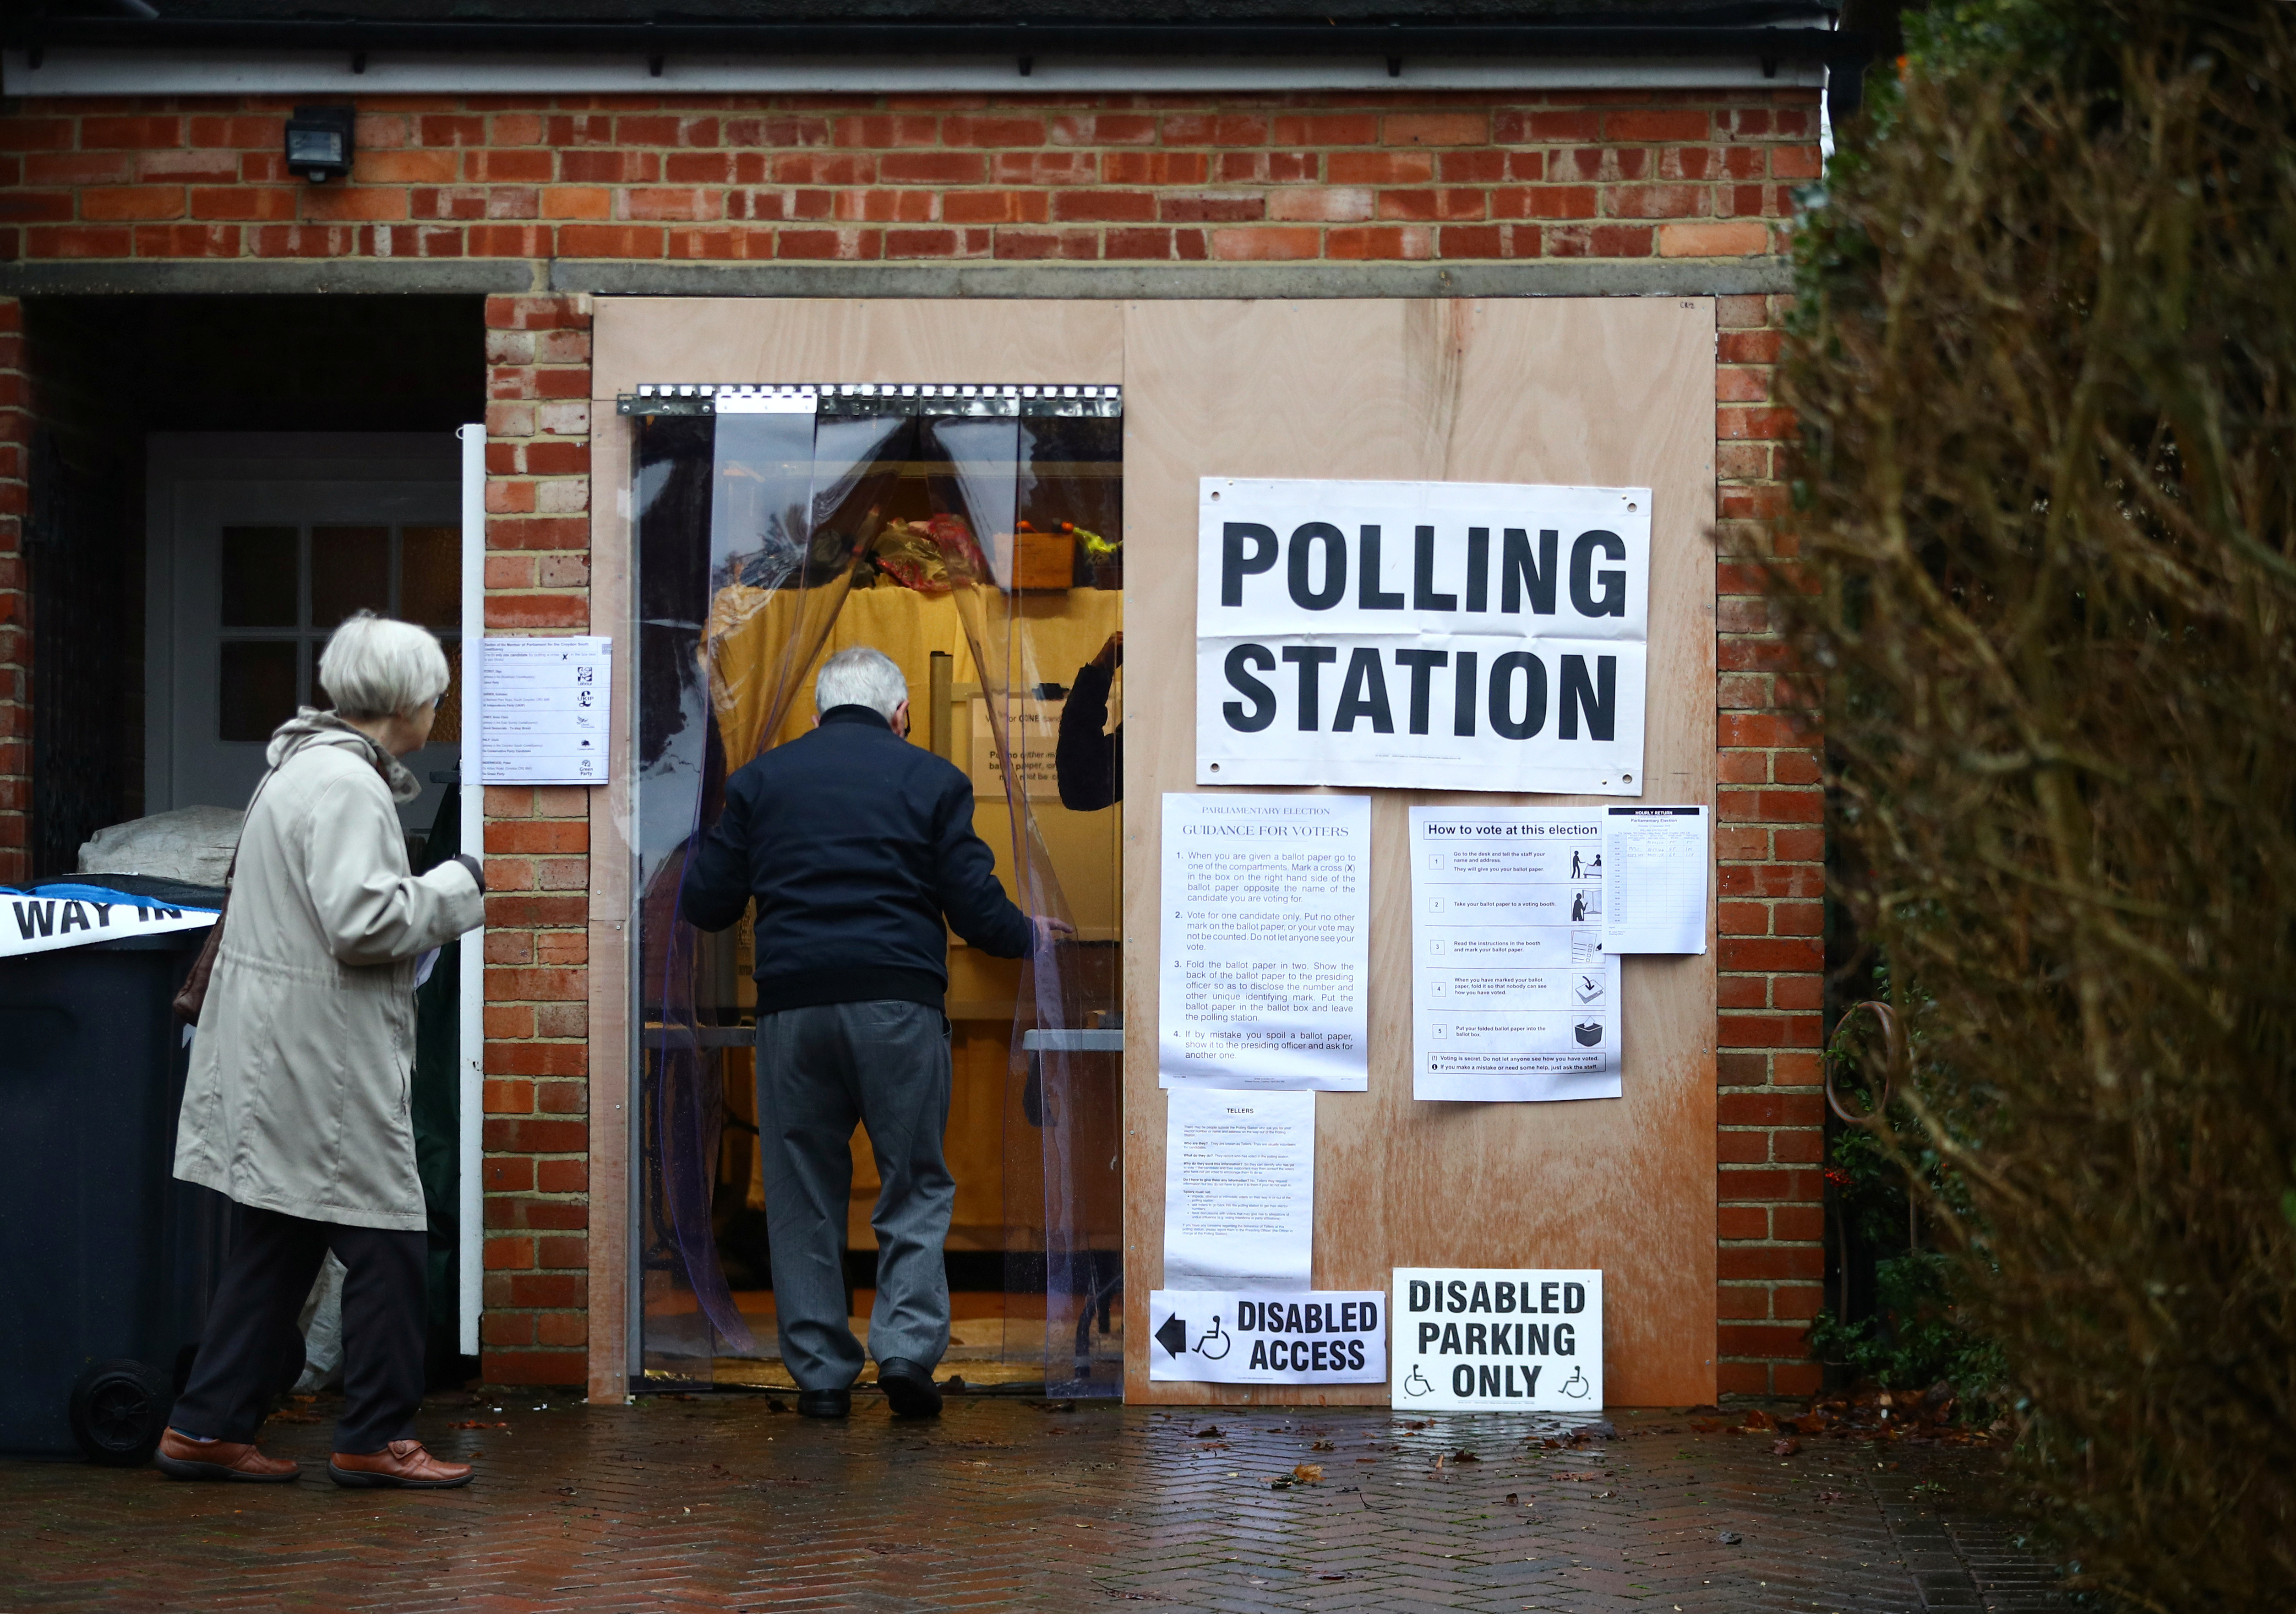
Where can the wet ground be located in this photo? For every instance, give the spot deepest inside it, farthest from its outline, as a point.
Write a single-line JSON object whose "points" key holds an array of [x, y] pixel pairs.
{"points": [[724, 1503]]}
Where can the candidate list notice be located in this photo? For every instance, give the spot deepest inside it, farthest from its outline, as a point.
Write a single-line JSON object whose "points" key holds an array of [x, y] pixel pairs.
{"points": [[1512, 997], [1266, 927]]}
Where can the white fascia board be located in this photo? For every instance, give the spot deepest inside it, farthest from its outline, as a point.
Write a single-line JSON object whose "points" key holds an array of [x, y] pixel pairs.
{"points": [[70, 70]]}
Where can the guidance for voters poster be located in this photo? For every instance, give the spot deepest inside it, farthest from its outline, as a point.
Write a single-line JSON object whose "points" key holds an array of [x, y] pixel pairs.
{"points": [[1512, 997], [1266, 937]]}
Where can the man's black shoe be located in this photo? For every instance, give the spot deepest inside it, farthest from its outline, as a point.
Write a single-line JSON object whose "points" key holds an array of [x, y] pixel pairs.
{"points": [[824, 1403], [909, 1387]]}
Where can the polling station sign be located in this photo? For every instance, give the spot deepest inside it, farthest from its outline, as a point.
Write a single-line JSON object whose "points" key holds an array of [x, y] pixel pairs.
{"points": [[1486, 1340], [1204, 1336], [48, 917], [1451, 635]]}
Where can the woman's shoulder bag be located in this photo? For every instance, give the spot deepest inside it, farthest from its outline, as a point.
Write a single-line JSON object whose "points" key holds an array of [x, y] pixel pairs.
{"points": [[192, 997]]}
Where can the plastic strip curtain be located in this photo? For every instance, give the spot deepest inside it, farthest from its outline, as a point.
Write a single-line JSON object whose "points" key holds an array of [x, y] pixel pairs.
{"points": [[1004, 473], [749, 527]]}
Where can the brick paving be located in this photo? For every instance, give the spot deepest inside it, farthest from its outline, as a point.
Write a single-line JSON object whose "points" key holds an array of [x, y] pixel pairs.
{"points": [[724, 1503]]}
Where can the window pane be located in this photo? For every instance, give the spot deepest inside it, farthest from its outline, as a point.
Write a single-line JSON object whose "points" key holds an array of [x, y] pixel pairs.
{"points": [[257, 691], [431, 576], [350, 570], [259, 584]]}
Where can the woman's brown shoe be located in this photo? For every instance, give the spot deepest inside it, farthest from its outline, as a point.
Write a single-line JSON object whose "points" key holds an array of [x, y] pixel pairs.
{"points": [[181, 1457], [403, 1463]]}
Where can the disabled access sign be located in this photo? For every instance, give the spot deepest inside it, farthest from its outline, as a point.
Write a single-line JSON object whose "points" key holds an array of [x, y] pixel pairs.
{"points": [[1205, 1336]]}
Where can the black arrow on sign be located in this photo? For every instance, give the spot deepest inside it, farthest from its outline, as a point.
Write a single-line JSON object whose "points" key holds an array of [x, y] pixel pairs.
{"points": [[1173, 1335]]}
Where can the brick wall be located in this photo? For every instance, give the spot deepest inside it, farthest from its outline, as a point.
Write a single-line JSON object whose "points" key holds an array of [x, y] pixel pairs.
{"points": [[854, 179], [537, 860], [1770, 840], [15, 601], [1395, 177]]}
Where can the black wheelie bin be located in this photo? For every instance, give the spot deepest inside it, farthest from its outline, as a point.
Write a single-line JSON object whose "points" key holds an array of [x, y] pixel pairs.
{"points": [[106, 1260]]}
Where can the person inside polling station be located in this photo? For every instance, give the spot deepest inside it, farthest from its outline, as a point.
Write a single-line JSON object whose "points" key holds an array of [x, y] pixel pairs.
{"points": [[859, 851], [295, 1107], [1089, 765]]}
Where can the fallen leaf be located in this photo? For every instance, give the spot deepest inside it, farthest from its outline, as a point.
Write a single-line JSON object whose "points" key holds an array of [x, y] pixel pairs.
{"points": [[1366, 1459], [1308, 1473], [1512, 1499], [1784, 1448], [1464, 1456], [1211, 1431], [1758, 1422], [1321, 1446], [477, 1423], [1420, 1424]]}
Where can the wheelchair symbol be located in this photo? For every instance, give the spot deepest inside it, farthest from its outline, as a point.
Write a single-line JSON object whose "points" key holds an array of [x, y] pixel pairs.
{"points": [[1204, 1344], [1576, 1386], [1417, 1385]]}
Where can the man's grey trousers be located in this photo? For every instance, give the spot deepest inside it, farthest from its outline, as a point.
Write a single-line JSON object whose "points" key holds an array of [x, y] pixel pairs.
{"points": [[886, 1065]]}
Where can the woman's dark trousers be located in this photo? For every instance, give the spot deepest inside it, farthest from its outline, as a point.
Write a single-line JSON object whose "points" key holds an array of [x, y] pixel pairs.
{"points": [[265, 1282]]}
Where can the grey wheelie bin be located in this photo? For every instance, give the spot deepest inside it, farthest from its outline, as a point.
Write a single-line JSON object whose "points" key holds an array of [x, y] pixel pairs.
{"points": [[106, 1261]]}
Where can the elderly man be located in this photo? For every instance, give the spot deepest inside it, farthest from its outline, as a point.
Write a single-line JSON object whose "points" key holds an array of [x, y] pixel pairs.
{"points": [[855, 845]]}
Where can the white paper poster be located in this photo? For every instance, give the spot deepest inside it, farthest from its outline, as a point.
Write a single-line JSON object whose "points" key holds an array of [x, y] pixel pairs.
{"points": [[1491, 1340], [1266, 935], [1221, 1337], [1512, 997], [544, 709], [1238, 1190], [1450, 635], [1654, 871]]}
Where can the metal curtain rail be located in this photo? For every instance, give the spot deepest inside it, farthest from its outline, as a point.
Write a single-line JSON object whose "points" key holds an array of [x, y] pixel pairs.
{"points": [[873, 398]]}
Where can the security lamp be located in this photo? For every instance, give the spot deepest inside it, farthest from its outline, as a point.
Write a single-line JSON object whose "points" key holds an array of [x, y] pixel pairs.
{"points": [[319, 142]]}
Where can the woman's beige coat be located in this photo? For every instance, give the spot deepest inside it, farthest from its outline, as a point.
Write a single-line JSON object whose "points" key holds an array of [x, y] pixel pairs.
{"points": [[297, 1100]]}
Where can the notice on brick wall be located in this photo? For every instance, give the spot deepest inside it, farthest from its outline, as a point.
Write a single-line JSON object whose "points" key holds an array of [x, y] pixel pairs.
{"points": [[543, 710]]}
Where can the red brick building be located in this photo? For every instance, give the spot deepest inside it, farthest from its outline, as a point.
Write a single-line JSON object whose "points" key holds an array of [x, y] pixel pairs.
{"points": [[165, 276]]}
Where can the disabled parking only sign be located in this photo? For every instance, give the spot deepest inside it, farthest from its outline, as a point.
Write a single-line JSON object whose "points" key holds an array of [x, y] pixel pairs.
{"points": [[1487, 1339], [1205, 1336]]}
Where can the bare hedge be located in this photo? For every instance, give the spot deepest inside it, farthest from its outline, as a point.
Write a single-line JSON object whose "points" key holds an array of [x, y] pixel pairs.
{"points": [[2047, 580]]}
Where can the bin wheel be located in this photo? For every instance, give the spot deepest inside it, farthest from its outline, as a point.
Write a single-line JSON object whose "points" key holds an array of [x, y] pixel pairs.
{"points": [[118, 1411]]}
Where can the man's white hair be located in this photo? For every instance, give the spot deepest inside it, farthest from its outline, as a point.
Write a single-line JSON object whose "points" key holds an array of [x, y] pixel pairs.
{"points": [[860, 677], [377, 668]]}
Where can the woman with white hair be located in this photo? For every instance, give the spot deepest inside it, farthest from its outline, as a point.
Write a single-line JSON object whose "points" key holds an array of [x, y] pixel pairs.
{"points": [[296, 1106]]}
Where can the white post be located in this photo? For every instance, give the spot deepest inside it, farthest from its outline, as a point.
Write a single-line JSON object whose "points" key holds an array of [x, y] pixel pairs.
{"points": [[470, 1063]]}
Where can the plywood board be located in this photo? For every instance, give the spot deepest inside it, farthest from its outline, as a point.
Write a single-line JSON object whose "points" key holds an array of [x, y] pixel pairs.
{"points": [[611, 923], [736, 340], [1605, 391]]}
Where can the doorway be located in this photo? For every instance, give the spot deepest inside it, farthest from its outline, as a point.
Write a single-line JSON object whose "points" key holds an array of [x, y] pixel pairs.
{"points": [[973, 533], [261, 543]]}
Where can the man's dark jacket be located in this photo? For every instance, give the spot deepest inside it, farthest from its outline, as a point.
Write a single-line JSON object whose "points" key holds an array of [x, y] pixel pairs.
{"points": [[855, 844]]}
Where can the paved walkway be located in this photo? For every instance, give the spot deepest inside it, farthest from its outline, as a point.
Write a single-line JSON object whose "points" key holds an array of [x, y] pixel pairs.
{"points": [[726, 1505]]}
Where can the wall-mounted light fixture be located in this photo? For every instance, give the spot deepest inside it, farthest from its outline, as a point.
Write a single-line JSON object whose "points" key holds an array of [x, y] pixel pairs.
{"points": [[319, 142]]}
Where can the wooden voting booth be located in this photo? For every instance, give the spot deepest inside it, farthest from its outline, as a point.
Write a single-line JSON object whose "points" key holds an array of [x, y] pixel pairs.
{"points": [[1614, 392]]}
